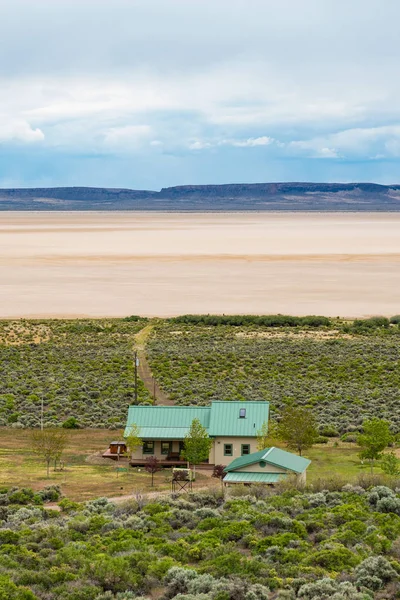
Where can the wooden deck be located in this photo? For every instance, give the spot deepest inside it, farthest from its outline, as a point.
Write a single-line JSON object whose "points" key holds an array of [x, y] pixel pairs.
{"points": [[139, 462], [114, 456]]}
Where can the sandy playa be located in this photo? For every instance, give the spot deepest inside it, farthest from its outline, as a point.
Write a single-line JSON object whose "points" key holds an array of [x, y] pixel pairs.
{"points": [[97, 264]]}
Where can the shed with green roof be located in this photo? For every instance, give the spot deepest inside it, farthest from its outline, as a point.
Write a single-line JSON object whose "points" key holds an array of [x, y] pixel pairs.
{"points": [[266, 466]]}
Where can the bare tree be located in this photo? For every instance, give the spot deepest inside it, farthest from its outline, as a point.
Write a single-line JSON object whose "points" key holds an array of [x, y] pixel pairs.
{"points": [[49, 444]]}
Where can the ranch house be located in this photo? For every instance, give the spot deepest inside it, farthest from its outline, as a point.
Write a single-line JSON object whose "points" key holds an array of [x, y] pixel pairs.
{"points": [[231, 425]]}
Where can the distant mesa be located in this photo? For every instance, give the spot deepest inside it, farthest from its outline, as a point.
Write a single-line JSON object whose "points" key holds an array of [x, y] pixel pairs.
{"points": [[229, 197]]}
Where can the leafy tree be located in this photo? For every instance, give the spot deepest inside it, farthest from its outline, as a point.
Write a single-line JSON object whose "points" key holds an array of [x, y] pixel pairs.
{"points": [[197, 444], [49, 444], [375, 438], [390, 464], [133, 440], [263, 436], [152, 465], [219, 473], [266, 435], [297, 428]]}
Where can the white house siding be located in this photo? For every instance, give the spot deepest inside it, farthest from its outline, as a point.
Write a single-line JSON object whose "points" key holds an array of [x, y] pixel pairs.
{"points": [[219, 442], [216, 456]]}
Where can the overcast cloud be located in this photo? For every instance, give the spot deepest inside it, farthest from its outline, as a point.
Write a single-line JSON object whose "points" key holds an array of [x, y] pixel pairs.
{"points": [[149, 93]]}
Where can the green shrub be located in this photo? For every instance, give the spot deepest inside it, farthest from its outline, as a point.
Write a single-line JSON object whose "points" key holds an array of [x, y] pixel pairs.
{"points": [[336, 559], [321, 439], [326, 589], [9, 591], [71, 423], [328, 431]]}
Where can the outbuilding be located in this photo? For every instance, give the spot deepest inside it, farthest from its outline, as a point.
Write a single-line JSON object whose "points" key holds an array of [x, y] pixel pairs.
{"points": [[266, 466]]}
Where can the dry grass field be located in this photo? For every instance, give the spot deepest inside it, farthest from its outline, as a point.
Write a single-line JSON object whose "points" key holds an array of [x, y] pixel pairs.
{"points": [[82, 480]]}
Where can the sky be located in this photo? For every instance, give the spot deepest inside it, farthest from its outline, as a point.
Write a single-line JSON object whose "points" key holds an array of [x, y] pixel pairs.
{"points": [[146, 94]]}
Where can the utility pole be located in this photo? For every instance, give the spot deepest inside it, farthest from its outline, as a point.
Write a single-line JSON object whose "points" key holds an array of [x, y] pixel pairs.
{"points": [[41, 413], [154, 390], [136, 377]]}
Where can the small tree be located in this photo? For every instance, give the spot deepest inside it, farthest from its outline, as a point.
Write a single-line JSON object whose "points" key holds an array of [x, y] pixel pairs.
{"points": [[152, 465], [133, 440], [49, 444], [263, 436], [390, 464], [266, 435], [219, 473], [197, 444], [297, 429], [375, 438]]}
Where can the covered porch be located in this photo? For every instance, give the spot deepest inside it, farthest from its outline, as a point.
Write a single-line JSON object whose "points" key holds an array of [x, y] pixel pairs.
{"points": [[168, 452]]}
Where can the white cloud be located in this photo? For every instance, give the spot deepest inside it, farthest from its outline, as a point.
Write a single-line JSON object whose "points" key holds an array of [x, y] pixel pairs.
{"points": [[15, 130], [199, 145], [249, 143], [238, 143], [221, 76], [369, 142]]}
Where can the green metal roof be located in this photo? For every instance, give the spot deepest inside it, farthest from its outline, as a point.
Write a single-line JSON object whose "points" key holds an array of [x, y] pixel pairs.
{"points": [[157, 422], [220, 419], [253, 477], [244, 461], [162, 433], [225, 418], [273, 456]]}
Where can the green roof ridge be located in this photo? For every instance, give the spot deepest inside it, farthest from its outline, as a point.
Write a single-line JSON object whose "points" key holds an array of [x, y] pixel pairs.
{"points": [[274, 456], [244, 461]]}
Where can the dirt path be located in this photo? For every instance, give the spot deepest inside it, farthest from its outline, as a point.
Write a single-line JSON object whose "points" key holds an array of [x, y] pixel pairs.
{"points": [[137, 496], [151, 495], [144, 370]]}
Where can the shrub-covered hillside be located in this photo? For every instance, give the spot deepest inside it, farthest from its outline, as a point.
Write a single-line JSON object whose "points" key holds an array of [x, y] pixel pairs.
{"points": [[81, 368], [342, 545], [345, 373]]}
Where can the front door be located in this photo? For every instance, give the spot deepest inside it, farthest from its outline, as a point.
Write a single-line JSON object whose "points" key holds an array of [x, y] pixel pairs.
{"points": [[181, 448]]}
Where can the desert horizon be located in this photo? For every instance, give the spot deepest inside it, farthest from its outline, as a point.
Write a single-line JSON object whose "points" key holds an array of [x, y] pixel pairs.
{"points": [[164, 264]]}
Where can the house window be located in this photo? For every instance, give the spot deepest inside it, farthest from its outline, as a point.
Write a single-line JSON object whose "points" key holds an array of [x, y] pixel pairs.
{"points": [[148, 447], [245, 449], [242, 413], [165, 447], [181, 447], [228, 450]]}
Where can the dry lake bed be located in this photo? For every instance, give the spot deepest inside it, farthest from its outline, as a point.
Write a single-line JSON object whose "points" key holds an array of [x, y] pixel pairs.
{"points": [[118, 264]]}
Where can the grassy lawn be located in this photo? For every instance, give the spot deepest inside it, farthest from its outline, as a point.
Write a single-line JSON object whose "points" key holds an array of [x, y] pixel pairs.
{"points": [[79, 480], [330, 461]]}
